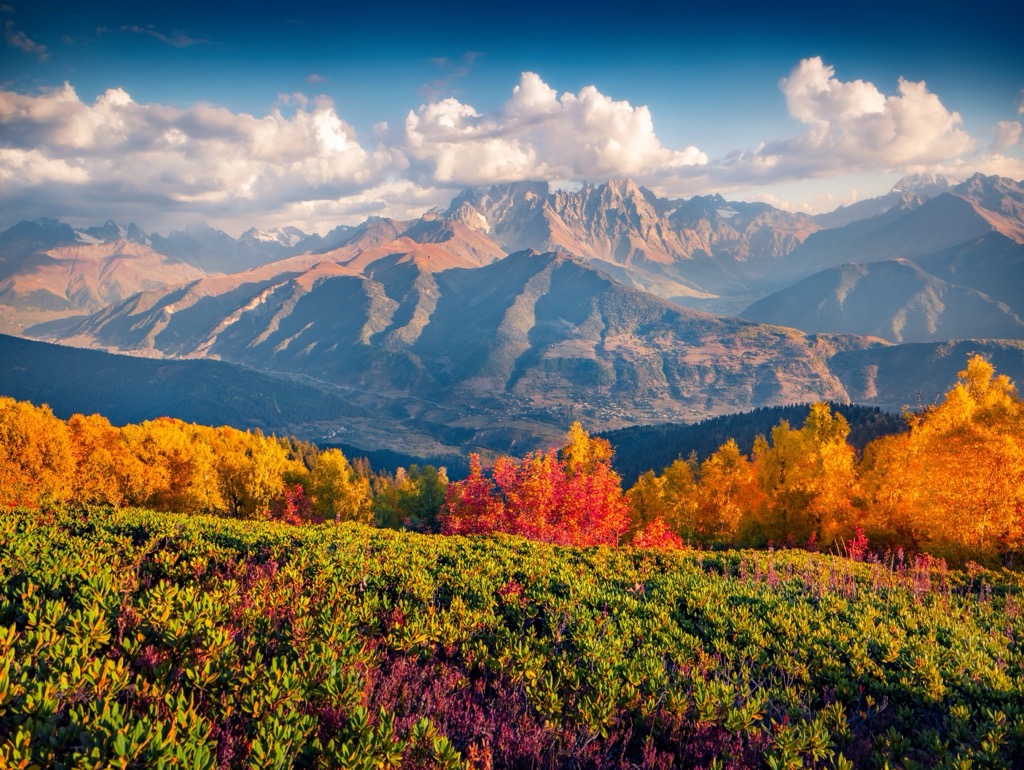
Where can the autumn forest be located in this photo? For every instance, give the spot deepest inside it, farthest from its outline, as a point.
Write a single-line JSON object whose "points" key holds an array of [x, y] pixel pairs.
{"points": [[951, 486]]}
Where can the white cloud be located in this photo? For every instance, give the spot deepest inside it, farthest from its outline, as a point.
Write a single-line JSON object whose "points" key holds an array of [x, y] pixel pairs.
{"points": [[1020, 102], [538, 134], [850, 128], [205, 158], [18, 39], [853, 124], [1008, 133], [30, 167], [396, 198]]}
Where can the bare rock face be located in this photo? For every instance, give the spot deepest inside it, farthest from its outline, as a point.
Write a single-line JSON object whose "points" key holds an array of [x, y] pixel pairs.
{"points": [[691, 251]]}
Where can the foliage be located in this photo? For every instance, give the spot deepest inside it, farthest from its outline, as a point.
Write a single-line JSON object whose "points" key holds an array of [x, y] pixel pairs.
{"points": [[574, 498], [170, 465], [808, 478], [141, 639], [644, 447], [410, 499], [955, 482], [337, 491], [951, 485], [36, 458]]}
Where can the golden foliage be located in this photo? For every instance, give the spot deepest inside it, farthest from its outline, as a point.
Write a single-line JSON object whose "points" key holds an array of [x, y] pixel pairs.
{"points": [[952, 485]]}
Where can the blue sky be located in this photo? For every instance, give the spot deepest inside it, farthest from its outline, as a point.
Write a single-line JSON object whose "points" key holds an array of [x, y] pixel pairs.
{"points": [[303, 114]]}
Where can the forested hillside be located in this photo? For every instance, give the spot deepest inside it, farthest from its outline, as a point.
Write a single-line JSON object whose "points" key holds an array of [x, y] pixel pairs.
{"points": [[646, 447], [126, 389]]}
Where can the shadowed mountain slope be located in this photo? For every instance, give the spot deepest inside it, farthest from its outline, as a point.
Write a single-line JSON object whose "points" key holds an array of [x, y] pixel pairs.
{"points": [[895, 300]]}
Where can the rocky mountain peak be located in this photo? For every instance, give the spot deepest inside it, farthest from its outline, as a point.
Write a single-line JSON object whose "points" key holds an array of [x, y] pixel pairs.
{"points": [[622, 188], [922, 184], [39, 235], [110, 232], [287, 237], [979, 186]]}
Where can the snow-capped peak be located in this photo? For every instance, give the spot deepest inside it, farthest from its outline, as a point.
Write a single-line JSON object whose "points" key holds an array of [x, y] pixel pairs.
{"points": [[926, 184], [287, 236]]}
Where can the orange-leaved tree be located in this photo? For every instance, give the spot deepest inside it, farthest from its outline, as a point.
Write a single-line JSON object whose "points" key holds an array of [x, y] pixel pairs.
{"points": [[36, 460], [955, 482], [808, 477]]}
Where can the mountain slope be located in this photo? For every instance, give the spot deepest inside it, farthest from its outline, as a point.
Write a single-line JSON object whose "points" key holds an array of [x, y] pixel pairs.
{"points": [[966, 277], [129, 389], [215, 251], [48, 271], [918, 374], [896, 300], [504, 352], [992, 265], [970, 211], [909, 192]]}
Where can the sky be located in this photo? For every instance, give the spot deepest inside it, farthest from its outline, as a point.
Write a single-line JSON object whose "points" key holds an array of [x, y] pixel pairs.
{"points": [[167, 114]]}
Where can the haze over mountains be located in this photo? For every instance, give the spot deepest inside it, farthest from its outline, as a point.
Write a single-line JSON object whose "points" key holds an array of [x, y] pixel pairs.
{"points": [[496, 321], [949, 267]]}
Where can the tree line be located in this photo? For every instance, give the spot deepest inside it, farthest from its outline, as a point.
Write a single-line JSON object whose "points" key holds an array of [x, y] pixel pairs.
{"points": [[951, 485], [170, 465]]}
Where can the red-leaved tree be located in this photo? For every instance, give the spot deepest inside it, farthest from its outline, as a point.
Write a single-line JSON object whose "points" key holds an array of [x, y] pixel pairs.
{"points": [[569, 498]]}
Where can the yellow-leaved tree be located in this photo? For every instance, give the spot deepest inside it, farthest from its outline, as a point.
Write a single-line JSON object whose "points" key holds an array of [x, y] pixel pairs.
{"points": [[727, 496], [106, 471], [955, 482], [36, 461], [337, 491]]}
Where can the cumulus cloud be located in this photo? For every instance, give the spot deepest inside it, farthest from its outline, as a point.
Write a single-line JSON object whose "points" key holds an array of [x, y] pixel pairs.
{"points": [[394, 197], [854, 124], [204, 158], [304, 164], [18, 39], [538, 134], [849, 127]]}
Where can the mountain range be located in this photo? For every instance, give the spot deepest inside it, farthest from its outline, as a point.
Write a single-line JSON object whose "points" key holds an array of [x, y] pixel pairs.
{"points": [[497, 320], [949, 267]]}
